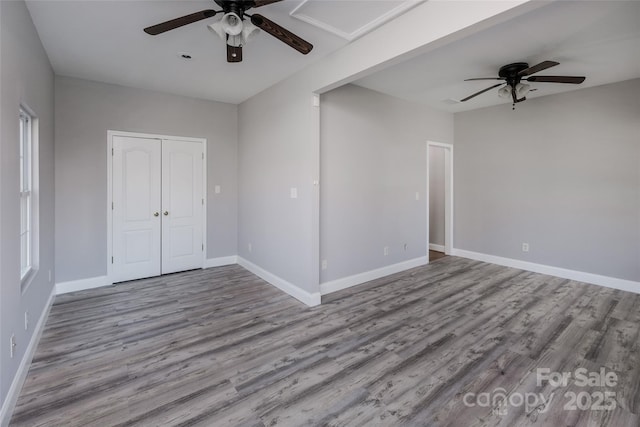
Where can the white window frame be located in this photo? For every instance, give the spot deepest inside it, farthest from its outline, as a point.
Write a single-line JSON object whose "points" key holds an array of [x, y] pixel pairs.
{"points": [[28, 185]]}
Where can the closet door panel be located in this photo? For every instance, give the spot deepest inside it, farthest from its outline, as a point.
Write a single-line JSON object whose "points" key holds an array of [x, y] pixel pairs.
{"points": [[182, 206], [136, 208]]}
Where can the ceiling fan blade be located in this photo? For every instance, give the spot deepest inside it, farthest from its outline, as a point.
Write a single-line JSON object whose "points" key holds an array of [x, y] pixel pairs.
{"points": [[481, 92], [234, 54], [556, 79], [154, 30], [539, 67], [260, 3], [485, 78], [281, 34]]}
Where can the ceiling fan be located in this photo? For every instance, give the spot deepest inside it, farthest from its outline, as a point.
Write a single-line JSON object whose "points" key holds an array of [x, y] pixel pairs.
{"points": [[233, 27], [513, 75]]}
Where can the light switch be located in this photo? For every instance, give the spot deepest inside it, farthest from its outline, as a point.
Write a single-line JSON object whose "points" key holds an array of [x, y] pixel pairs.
{"points": [[417, 196], [294, 193], [217, 189]]}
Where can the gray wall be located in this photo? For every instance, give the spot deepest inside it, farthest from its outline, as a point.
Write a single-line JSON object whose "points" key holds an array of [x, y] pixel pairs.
{"points": [[436, 195], [84, 112], [561, 173], [25, 77], [279, 142], [373, 160], [276, 153]]}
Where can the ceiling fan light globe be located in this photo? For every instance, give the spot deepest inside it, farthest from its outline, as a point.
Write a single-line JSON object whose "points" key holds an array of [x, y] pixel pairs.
{"points": [[231, 24], [522, 89], [504, 92], [216, 28], [249, 31], [235, 41]]}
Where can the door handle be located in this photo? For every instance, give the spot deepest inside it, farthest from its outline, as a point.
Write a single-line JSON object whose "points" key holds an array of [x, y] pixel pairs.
{"points": [[166, 213], [156, 214]]}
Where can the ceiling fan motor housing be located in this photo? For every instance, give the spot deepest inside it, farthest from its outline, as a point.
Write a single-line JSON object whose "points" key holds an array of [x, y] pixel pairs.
{"points": [[511, 72], [236, 7]]}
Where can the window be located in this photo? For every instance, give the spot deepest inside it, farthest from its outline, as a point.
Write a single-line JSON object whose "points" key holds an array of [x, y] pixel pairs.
{"points": [[28, 181]]}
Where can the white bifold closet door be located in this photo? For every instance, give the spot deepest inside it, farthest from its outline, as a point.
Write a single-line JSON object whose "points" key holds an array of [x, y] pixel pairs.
{"points": [[182, 205], [157, 207]]}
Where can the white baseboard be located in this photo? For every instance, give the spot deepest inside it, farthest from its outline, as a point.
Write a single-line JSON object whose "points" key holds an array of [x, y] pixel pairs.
{"points": [[221, 261], [23, 369], [357, 279], [579, 276], [437, 248], [97, 282], [310, 299], [82, 284]]}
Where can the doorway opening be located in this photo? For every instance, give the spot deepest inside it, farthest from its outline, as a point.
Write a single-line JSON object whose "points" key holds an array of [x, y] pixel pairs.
{"points": [[439, 199]]}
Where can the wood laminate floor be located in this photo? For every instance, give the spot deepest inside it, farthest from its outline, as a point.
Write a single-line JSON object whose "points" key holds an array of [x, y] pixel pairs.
{"points": [[220, 347]]}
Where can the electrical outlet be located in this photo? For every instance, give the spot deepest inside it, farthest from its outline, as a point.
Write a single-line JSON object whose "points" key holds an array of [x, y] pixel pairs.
{"points": [[525, 247], [12, 345], [26, 320], [386, 250], [250, 247], [324, 264], [294, 193]]}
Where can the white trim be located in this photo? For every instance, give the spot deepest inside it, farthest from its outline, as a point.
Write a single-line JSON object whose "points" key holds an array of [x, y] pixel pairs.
{"points": [[220, 261], [579, 276], [315, 197], [110, 135], [367, 276], [448, 194], [100, 281], [154, 136], [23, 369], [437, 248], [205, 197], [33, 128], [310, 299], [82, 284], [402, 7]]}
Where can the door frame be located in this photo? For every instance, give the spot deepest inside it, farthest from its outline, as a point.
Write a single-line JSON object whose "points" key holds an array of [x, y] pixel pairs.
{"points": [[113, 133], [448, 195]]}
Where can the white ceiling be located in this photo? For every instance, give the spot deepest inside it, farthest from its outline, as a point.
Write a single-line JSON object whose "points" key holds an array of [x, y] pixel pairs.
{"points": [[596, 39], [104, 41]]}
